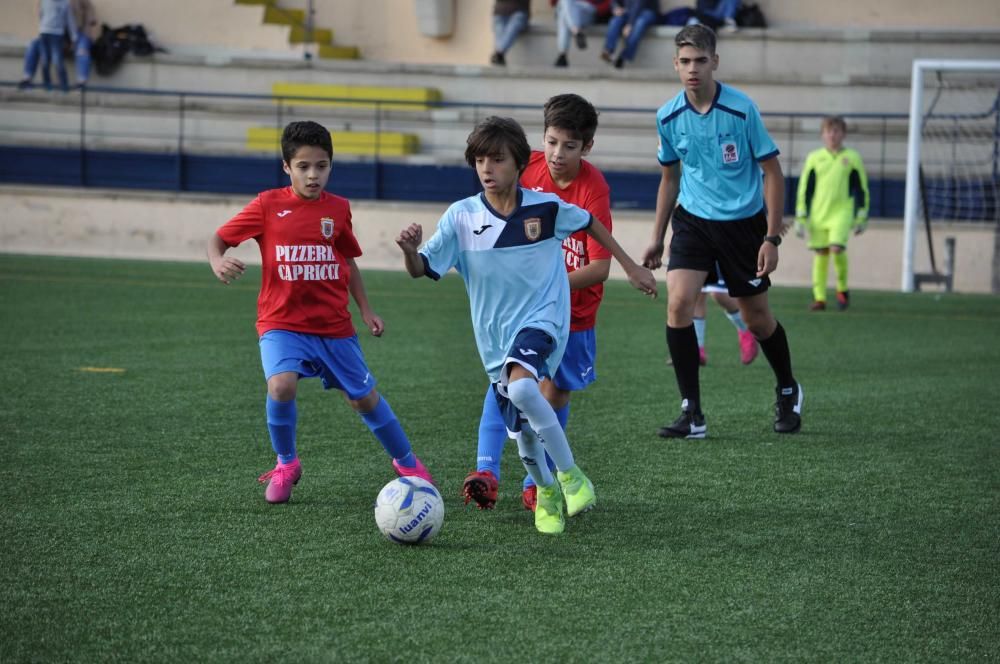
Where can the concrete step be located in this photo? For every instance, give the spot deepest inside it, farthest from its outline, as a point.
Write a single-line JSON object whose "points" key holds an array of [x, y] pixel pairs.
{"points": [[779, 54]]}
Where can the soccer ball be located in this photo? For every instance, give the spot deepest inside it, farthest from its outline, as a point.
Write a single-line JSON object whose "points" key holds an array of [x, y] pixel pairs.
{"points": [[409, 510]]}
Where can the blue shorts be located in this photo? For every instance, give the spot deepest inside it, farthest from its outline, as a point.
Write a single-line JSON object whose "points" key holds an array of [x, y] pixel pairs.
{"points": [[577, 369], [338, 362], [530, 349]]}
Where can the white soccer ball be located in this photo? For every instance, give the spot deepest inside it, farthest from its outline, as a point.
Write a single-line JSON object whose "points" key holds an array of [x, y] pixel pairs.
{"points": [[409, 510]]}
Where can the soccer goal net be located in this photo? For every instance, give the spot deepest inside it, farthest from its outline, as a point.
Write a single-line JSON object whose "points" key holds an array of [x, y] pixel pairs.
{"points": [[953, 156]]}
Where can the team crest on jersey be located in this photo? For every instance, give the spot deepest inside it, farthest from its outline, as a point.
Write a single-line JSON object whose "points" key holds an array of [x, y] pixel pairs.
{"points": [[326, 227], [729, 153], [533, 228]]}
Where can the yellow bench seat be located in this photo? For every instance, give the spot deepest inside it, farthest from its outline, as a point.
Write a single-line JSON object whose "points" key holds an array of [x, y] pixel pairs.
{"points": [[358, 96], [361, 143]]}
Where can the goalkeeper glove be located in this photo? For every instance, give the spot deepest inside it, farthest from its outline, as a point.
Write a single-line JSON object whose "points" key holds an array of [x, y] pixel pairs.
{"points": [[860, 225], [800, 227]]}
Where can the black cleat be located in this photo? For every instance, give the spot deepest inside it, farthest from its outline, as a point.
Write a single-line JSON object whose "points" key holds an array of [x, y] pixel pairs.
{"points": [[688, 425], [788, 409]]}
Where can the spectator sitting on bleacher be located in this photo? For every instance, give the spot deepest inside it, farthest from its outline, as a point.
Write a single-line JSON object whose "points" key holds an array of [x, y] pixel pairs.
{"points": [[717, 14], [572, 16], [55, 18], [629, 21], [510, 18], [86, 22]]}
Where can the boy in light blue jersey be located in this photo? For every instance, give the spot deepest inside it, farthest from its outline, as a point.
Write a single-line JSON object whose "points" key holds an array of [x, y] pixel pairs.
{"points": [[713, 147], [506, 243]]}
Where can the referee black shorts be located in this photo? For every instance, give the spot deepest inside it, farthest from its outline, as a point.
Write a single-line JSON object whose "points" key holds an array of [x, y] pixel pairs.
{"points": [[698, 244]]}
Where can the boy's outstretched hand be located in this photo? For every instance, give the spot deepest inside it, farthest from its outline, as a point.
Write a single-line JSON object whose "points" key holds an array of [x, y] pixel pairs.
{"points": [[642, 279], [227, 268], [373, 322], [410, 237]]}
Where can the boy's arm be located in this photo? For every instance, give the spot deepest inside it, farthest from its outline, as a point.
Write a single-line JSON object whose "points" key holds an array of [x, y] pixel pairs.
{"points": [[774, 200], [802, 195], [862, 199], [666, 199], [223, 267], [594, 272], [640, 277], [409, 241], [356, 286]]}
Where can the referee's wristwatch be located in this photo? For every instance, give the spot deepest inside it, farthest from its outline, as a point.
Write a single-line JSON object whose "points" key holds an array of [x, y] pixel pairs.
{"points": [[773, 239]]}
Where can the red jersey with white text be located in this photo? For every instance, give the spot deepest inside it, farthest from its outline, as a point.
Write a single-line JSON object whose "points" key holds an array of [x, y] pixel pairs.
{"points": [[588, 190], [304, 248]]}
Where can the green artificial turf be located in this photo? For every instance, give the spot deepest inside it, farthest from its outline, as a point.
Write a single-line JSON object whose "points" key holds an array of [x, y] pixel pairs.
{"points": [[135, 530]]}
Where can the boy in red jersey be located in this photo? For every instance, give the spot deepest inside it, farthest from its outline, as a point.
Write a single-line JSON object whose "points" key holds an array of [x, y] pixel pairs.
{"points": [[307, 250], [570, 125]]}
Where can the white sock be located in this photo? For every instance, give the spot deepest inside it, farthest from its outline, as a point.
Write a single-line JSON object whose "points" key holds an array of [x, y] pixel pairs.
{"points": [[699, 331], [532, 456], [737, 320], [524, 394]]}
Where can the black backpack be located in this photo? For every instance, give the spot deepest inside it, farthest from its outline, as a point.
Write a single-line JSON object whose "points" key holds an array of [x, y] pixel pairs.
{"points": [[110, 48], [750, 16]]}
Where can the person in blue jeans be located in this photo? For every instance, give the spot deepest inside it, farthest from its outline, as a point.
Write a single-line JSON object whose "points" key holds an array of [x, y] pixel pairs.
{"points": [[716, 14], [510, 18], [87, 26], [629, 21], [572, 17], [55, 18]]}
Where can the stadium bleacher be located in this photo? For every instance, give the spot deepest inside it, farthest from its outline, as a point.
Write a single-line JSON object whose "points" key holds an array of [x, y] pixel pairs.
{"points": [[796, 72]]}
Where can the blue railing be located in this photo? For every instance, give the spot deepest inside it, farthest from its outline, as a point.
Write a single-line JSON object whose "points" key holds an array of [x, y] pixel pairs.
{"points": [[135, 138]]}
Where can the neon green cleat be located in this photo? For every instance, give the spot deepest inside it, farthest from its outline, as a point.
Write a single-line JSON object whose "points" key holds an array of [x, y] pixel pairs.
{"points": [[549, 517], [579, 491]]}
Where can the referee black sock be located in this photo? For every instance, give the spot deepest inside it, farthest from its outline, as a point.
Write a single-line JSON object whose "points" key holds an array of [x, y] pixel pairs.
{"points": [[683, 345], [776, 351]]}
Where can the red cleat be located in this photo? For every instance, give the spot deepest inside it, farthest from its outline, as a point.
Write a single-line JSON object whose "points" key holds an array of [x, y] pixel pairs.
{"points": [[481, 487], [529, 497]]}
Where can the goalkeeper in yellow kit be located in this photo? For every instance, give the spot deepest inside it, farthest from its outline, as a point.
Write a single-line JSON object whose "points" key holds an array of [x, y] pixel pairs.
{"points": [[832, 201]]}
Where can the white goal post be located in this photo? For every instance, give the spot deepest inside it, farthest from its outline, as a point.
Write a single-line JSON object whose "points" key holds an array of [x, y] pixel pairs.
{"points": [[919, 117]]}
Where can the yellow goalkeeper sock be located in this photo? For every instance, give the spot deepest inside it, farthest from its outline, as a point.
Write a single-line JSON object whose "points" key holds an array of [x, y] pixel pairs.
{"points": [[840, 270], [820, 264]]}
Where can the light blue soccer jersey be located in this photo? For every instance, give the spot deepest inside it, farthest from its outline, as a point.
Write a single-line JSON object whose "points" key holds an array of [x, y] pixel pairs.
{"points": [[513, 269], [719, 151]]}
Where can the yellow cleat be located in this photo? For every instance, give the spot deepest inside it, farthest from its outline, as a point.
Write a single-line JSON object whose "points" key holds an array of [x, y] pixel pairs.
{"points": [[549, 510], [578, 490]]}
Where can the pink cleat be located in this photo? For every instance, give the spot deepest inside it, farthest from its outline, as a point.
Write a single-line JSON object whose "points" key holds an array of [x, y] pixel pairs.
{"points": [[280, 481], [748, 347], [702, 356], [418, 470]]}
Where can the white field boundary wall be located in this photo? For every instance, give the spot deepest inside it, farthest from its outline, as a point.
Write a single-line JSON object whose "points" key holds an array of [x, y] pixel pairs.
{"points": [[164, 226]]}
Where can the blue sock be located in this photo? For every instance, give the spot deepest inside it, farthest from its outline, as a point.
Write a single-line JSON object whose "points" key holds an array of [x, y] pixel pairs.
{"points": [[383, 423], [562, 414], [492, 436], [281, 419]]}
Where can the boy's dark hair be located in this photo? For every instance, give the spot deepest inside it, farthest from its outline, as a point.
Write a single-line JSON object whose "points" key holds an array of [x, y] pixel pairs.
{"points": [[491, 136], [573, 114], [306, 132], [834, 121], [697, 36]]}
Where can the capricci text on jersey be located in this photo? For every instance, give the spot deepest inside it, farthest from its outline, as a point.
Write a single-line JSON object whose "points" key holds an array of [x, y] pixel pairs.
{"points": [[290, 257]]}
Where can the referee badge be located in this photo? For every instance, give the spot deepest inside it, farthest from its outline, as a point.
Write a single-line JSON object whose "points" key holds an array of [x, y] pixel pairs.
{"points": [[729, 153], [326, 227], [533, 228]]}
